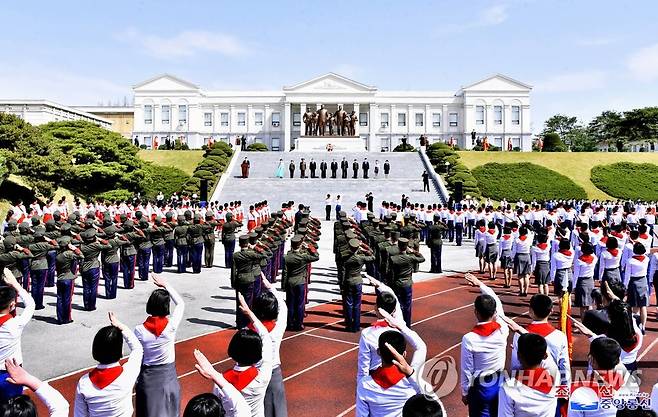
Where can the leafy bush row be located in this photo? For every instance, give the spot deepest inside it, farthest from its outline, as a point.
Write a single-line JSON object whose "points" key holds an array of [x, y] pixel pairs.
{"points": [[447, 163], [525, 181], [258, 147], [627, 180], [212, 166]]}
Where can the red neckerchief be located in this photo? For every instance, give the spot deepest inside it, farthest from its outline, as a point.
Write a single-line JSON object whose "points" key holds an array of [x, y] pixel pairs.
{"points": [[639, 257], [380, 323], [507, 237], [486, 329], [617, 235], [538, 379], [482, 229], [5, 318], [523, 238], [596, 231], [633, 346], [565, 252], [156, 325], [387, 376], [240, 379], [604, 239], [515, 230], [542, 329], [644, 236], [588, 259], [542, 246], [101, 378], [491, 231], [269, 325], [614, 252]]}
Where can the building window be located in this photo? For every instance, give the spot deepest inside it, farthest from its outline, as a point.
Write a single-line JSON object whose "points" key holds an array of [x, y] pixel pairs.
{"points": [[402, 119], [419, 119], [296, 119], [276, 119], [516, 115], [498, 142], [242, 119], [276, 144], [182, 114], [479, 115], [498, 115], [384, 117], [148, 114], [258, 140], [223, 119], [147, 141], [454, 118], [363, 119], [258, 117], [207, 119], [436, 119], [166, 114]]}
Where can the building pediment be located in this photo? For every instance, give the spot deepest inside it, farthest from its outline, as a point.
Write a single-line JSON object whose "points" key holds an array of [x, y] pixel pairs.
{"points": [[498, 82], [330, 84], [165, 82]]}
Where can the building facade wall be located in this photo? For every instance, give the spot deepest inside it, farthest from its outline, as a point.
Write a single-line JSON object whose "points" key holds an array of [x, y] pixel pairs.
{"points": [[497, 107], [38, 112]]}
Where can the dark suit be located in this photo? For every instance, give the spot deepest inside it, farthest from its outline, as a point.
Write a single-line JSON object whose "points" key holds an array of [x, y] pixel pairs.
{"points": [[323, 169], [365, 166], [312, 166], [302, 169], [344, 165], [334, 169], [355, 168], [291, 168]]}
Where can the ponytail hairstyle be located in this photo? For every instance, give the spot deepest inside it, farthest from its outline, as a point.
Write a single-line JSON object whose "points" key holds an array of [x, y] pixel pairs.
{"points": [[621, 324]]}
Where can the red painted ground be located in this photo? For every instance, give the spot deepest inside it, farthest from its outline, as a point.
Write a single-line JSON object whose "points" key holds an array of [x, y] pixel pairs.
{"points": [[319, 364]]}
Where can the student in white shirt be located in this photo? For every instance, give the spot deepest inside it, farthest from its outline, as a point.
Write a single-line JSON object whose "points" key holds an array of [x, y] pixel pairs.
{"points": [[107, 390], [505, 255], [531, 393], [483, 353], [226, 400], [635, 280], [270, 308], [11, 330], [384, 391], [252, 352], [368, 357], [609, 373], [22, 405], [522, 260], [583, 278], [157, 390], [540, 256]]}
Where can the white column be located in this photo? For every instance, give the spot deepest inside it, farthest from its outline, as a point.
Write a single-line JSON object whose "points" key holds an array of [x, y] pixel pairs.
{"points": [[410, 112], [428, 119], [287, 124], [373, 122], [356, 125], [302, 126], [466, 136], [231, 123], [446, 123]]}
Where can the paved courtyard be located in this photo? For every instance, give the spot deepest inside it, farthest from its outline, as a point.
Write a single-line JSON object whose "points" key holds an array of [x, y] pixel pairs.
{"points": [[51, 350]]}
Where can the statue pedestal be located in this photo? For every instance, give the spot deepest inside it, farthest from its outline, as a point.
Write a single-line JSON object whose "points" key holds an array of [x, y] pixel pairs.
{"points": [[340, 144]]}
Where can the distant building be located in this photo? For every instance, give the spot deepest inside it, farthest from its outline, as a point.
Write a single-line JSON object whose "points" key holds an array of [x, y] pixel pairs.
{"points": [[39, 112], [120, 116], [167, 107]]}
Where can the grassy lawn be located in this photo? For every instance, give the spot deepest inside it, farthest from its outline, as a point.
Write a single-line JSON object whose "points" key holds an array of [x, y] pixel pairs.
{"points": [[184, 160], [575, 165]]}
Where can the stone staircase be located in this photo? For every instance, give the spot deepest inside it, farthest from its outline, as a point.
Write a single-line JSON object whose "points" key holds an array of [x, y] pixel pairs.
{"points": [[404, 178]]}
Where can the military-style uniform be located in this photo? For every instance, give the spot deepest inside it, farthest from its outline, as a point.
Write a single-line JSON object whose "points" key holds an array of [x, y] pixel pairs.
{"points": [[208, 231], [353, 264], [169, 239], [24, 238], [110, 261], [90, 270], [158, 231], [51, 233], [293, 281], [403, 265], [129, 254], [228, 239], [39, 266], [242, 277], [435, 244], [64, 261], [195, 241], [180, 235], [144, 248]]}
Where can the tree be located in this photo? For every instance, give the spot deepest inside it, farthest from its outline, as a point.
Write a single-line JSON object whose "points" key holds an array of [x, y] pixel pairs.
{"points": [[560, 124], [553, 143], [606, 128], [582, 141], [641, 125]]}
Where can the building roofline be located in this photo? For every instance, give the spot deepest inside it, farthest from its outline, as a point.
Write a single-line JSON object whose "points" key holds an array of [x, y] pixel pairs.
{"points": [[44, 102]]}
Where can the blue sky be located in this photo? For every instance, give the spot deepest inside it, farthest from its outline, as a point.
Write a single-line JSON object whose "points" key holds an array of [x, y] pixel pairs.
{"points": [[582, 57]]}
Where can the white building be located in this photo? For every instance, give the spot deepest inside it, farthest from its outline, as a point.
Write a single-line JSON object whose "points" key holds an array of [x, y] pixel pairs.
{"points": [[497, 107], [38, 112]]}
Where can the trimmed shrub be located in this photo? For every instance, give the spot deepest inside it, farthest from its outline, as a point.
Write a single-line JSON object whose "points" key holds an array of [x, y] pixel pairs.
{"points": [[627, 180], [258, 147], [404, 147], [553, 143], [116, 195], [215, 160], [169, 180], [525, 181]]}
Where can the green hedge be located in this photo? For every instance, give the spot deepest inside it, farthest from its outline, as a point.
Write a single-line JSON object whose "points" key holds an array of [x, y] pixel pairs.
{"points": [[258, 147], [211, 167], [627, 180], [404, 147], [440, 153], [116, 195], [167, 179], [525, 181]]}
